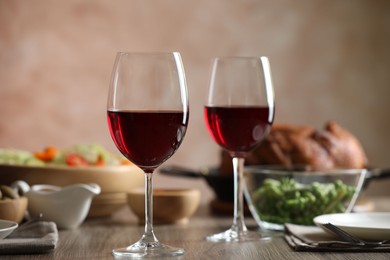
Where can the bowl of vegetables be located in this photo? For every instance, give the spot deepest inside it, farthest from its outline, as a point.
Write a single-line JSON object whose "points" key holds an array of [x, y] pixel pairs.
{"points": [[278, 195], [81, 163]]}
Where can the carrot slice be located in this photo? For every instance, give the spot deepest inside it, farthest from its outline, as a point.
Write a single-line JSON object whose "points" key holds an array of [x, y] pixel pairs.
{"points": [[48, 154]]}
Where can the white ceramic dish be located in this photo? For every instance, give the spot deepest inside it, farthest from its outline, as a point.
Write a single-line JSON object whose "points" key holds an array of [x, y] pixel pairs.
{"points": [[66, 206], [369, 226], [6, 228]]}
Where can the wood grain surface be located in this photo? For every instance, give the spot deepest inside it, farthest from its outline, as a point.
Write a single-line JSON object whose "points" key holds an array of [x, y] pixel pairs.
{"points": [[95, 239]]}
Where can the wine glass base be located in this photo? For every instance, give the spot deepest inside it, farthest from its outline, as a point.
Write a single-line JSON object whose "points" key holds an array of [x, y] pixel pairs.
{"points": [[231, 235], [143, 250]]}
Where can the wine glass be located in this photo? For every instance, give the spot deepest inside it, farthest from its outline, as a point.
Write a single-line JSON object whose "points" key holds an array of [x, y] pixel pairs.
{"points": [[239, 113], [148, 114]]}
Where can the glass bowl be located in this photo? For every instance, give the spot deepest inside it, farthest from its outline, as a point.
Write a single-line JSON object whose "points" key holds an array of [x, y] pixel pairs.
{"points": [[277, 195]]}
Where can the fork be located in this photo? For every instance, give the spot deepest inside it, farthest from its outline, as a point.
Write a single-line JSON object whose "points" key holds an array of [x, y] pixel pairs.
{"points": [[30, 221], [350, 238]]}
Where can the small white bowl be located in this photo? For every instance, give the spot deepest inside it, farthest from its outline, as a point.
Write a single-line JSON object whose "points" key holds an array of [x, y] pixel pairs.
{"points": [[67, 207]]}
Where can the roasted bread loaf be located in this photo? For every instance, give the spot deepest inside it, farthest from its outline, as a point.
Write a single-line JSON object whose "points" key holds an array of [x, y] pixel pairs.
{"points": [[289, 145]]}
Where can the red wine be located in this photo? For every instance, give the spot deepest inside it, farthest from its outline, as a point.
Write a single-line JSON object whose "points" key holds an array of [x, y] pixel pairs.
{"points": [[147, 138], [238, 129]]}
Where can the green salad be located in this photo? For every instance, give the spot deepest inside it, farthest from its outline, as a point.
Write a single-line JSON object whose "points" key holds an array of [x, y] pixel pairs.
{"points": [[287, 201], [76, 155]]}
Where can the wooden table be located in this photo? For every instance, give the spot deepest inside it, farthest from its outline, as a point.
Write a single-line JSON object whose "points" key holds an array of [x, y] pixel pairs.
{"points": [[95, 239]]}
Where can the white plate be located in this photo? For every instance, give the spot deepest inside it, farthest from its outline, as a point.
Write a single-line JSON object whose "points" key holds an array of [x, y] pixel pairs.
{"points": [[369, 226], [6, 228]]}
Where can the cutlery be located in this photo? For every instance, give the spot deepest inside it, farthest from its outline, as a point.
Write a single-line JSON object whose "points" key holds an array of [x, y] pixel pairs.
{"points": [[350, 238], [30, 221]]}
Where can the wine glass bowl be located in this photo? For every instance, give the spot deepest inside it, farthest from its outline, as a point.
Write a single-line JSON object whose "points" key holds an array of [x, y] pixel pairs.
{"points": [[147, 113], [252, 121], [239, 113]]}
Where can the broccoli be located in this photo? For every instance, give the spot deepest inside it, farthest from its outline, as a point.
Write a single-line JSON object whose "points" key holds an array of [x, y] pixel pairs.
{"points": [[286, 201]]}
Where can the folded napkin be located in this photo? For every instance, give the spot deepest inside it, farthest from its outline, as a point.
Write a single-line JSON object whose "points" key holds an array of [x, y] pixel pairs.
{"points": [[32, 238], [312, 238]]}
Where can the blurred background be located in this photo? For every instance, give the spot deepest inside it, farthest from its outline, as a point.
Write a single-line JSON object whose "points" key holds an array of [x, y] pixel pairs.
{"points": [[330, 60]]}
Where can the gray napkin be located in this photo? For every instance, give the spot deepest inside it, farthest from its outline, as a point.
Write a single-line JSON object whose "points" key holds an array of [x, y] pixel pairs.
{"points": [[33, 238], [312, 238]]}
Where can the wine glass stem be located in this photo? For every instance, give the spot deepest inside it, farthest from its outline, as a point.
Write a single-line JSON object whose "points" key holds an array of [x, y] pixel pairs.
{"points": [[149, 236], [238, 217]]}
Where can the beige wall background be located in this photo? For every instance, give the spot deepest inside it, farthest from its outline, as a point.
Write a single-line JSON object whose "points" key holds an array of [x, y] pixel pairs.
{"points": [[330, 60]]}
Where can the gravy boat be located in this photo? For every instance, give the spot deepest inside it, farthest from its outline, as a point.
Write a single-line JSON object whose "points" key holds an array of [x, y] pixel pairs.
{"points": [[67, 207]]}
